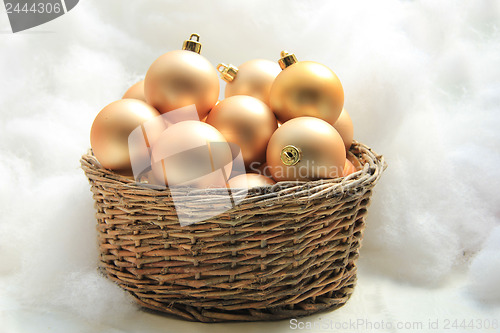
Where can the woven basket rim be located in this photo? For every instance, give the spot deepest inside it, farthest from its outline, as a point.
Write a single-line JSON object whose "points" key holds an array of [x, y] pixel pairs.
{"points": [[373, 165]]}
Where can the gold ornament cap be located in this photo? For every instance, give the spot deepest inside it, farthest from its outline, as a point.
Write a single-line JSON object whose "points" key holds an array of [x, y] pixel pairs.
{"points": [[227, 72], [290, 155], [287, 59], [191, 44]]}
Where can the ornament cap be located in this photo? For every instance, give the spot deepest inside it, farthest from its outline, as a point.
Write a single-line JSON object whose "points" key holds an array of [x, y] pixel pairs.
{"points": [[290, 155], [227, 72], [287, 59], [191, 44]]}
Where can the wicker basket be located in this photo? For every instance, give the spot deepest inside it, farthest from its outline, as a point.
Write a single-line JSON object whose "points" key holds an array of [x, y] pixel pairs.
{"points": [[286, 250]]}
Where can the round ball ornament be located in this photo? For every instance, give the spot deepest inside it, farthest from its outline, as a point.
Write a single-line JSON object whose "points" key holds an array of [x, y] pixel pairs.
{"points": [[246, 122], [180, 78], [111, 129], [191, 153], [306, 88], [348, 168], [252, 78], [343, 125], [250, 180], [136, 91], [260, 169], [306, 148]]}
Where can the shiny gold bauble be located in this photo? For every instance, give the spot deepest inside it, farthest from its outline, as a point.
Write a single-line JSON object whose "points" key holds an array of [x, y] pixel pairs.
{"points": [[111, 129], [191, 153], [306, 148], [343, 125], [250, 180], [181, 78], [136, 91], [254, 78], [307, 88], [247, 122]]}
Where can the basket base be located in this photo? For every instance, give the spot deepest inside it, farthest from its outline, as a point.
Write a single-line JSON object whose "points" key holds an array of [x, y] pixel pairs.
{"points": [[211, 315]]}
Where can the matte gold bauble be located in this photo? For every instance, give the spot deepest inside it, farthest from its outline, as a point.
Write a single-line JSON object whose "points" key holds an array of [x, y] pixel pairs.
{"points": [[262, 169], [181, 78], [306, 148], [306, 88], [348, 168], [136, 91], [205, 118], [343, 125], [247, 122], [111, 129], [252, 78], [354, 161], [191, 153], [250, 180]]}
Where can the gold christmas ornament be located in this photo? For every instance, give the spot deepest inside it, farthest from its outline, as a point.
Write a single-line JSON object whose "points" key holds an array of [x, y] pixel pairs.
{"points": [[246, 122], [252, 78], [191, 153], [343, 125], [180, 78], [260, 169], [354, 161], [306, 88], [250, 180], [136, 91], [348, 168], [112, 127], [306, 148]]}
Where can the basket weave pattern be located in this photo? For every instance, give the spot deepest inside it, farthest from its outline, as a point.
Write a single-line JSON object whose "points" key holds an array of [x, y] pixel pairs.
{"points": [[286, 250]]}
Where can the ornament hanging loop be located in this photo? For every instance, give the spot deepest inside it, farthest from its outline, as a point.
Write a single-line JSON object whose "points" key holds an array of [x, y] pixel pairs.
{"points": [[192, 44], [287, 59], [227, 72]]}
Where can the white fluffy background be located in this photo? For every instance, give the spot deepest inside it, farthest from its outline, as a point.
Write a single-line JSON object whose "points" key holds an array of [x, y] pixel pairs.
{"points": [[422, 84]]}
